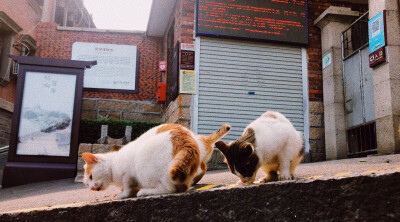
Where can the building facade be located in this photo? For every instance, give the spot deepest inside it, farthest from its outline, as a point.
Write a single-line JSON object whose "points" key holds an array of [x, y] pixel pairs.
{"points": [[239, 79], [236, 79]]}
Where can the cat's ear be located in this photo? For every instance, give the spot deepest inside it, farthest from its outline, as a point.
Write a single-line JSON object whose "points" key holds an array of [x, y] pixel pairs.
{"points": [[222, 146], [247, 149], [89, 158]]}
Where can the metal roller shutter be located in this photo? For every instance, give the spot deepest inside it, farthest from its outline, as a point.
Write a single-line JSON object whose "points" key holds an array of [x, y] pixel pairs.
{"points": [[231, 71]]}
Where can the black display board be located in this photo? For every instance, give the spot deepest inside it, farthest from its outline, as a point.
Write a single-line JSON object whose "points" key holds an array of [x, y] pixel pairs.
{"points": [[45, 125], [268, 20]]}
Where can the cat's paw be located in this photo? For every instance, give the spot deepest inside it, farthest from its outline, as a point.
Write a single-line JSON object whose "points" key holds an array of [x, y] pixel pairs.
{"points": [[264, 180], [241, 183], [122, 196], [285, 177]]}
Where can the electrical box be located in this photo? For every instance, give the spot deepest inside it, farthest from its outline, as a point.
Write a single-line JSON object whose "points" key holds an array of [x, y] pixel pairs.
{"points": [[161, 91]]}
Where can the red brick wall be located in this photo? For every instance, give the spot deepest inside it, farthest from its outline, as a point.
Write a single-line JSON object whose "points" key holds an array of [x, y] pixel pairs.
{"points": [[27, 21], [55, 43], [315, 9], [23, 13]]}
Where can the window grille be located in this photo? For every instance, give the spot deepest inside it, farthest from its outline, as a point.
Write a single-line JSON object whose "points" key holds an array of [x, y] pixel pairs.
{"points": [[356, 36], [362, 140]]}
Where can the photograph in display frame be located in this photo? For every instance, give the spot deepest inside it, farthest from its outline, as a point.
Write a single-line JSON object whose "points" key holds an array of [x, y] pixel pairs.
{"points": [[45, 125]]}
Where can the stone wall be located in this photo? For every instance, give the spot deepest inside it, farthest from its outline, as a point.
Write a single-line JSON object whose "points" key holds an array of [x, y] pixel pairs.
{"points": [[121, 110], [178, 111], [317, 135]]}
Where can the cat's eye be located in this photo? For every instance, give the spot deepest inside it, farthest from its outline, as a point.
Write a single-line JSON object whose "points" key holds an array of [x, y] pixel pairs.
{"points": [[90, 177]]}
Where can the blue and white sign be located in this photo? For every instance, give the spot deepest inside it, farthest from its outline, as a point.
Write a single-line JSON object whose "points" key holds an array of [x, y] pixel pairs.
{"points": [[376, 32]]}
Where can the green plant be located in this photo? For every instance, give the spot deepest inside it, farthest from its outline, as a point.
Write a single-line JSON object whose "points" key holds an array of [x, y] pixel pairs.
{"points": [[90, 130]]}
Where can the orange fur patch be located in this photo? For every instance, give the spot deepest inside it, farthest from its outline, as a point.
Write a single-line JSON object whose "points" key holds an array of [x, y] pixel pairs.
{"points": [[88, 169], [203, 168], [168, 127], [185, 152]]}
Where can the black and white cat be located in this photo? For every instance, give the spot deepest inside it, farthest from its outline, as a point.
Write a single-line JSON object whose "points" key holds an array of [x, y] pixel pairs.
{"points": [[270, 143]]}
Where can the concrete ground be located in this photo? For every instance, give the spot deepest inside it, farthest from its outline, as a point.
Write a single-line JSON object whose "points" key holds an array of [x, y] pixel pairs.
{"points": [[66, 192]]}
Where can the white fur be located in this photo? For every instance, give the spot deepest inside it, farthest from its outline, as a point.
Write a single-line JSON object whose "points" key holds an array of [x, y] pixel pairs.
{"points": [[144, 162], [277, 137]]}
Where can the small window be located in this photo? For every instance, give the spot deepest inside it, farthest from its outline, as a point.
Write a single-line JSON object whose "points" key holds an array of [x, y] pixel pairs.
{"points": [[8, 29], [5, 62]]}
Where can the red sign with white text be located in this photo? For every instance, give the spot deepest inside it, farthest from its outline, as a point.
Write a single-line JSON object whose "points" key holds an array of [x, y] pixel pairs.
{"points": [[377, 57], [162, 66]]}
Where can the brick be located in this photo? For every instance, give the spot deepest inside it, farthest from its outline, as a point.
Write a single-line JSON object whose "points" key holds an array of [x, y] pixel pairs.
{"points": [[316, 107], [184, 114], [113, 115], [100, 148], [148, 117], [85, 147], [88, 104], [85, 114], [316, 120], [184, 100], [143, 107], [317, 133]]}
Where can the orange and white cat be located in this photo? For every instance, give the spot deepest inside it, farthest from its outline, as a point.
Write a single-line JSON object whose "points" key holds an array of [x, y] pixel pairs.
{"points": [[166, 159]]}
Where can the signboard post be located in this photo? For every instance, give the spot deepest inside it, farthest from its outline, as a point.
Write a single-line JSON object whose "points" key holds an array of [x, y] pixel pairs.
{"points": [[45, 124], [377, 39]]}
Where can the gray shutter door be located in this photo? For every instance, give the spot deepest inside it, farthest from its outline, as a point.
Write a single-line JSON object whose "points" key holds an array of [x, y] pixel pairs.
{"points": [[240, 80]]}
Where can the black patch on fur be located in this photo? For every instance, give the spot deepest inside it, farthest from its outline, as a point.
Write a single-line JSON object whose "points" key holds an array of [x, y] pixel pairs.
{"points": [[246, 165], [198, 178], [273, 176], [181, 176], [248, 137], [240, 156], [179, 188], [301, 152]]}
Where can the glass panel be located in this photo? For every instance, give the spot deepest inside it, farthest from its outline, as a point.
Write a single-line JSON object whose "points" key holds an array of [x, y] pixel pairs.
{"points": [[46, 114]]}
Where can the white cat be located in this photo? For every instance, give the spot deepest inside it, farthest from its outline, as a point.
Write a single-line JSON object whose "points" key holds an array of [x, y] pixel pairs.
{"points": [[270, 142], [166, 159]]}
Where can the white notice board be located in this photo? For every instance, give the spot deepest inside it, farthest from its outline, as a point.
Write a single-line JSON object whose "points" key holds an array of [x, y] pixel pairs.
{"points": [[116, 68]]}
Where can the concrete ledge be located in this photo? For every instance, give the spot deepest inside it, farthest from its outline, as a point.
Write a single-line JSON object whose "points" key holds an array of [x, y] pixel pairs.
{"points": [[335, 14], [78, 29], [364, 198]]}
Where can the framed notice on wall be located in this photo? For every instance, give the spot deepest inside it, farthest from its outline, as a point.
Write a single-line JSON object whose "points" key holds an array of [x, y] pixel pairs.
{"points": [[187, 82], [117, 66]]}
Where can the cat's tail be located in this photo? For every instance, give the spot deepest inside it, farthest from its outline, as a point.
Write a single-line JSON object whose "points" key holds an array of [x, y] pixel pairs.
{"points": [[217, 135], [186, 156], [300, 138]]}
